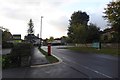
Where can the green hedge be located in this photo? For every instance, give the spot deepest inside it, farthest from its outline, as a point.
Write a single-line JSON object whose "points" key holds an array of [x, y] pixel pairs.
{"points": [[14, 58], [23, 49], [7, 45]]}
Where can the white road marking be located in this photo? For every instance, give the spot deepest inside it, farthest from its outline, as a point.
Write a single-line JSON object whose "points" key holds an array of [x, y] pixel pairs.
{"points": [[95, 71], [89, 68]]}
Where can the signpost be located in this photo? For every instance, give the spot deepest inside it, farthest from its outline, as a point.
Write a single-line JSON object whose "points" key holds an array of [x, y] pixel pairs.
{"points": [[96, 45]]}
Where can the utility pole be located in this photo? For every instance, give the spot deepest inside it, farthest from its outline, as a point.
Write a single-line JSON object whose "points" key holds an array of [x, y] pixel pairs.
{"points": [[41, 33]]}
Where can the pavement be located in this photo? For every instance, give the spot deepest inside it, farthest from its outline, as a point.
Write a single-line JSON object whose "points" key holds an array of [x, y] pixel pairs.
{"points": [[6, 51], [38, 58]]}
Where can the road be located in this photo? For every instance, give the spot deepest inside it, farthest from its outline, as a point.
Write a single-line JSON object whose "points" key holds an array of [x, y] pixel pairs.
{"points": [[71, 65], [89, 64]]}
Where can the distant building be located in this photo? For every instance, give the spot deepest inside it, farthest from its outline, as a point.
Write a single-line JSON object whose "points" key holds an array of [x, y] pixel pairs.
{"points": [[108, 35], [17, 38], [58, 41], [31, 38]]}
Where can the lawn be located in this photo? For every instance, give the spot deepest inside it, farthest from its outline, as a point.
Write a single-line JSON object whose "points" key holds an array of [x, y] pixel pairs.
{"points": [[51, 58], [110, 51]]}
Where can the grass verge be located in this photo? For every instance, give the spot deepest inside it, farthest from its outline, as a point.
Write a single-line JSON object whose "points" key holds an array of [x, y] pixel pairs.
{"points": [[51, 58], [111, 51]]}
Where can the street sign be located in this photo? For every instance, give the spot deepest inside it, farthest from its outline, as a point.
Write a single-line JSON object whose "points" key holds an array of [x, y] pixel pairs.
{"points": [[96, 45]]}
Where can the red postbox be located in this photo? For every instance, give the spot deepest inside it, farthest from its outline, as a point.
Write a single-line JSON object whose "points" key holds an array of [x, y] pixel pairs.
{"points": [[49, 49]]}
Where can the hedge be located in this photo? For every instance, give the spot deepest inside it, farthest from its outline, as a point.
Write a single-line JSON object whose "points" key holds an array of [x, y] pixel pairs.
{"points": [[19, 51]]}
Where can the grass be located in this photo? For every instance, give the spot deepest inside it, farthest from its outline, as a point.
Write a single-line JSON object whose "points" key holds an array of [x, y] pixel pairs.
{"points": [[51, 58], [110, 51]]}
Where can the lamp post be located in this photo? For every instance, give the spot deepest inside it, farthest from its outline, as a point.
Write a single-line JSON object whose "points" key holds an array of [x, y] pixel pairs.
{"points": [[41, 33]]}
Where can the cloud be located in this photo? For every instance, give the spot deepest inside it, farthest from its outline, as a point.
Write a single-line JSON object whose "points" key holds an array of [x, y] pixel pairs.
{"points": [[56, 14]]}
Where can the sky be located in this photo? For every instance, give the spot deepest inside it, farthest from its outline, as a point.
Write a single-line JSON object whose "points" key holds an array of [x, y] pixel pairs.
{"points": [[15, 15]]}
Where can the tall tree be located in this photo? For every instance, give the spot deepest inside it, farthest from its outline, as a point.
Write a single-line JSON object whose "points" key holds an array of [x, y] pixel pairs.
{"points": [[77, 28], [6, 36], [79, 18], [93, 33], [51, 39], [112, 14], [31, 26]]}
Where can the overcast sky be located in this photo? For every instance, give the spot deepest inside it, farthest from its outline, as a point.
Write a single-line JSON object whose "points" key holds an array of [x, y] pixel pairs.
{"points": [[15, 15]]}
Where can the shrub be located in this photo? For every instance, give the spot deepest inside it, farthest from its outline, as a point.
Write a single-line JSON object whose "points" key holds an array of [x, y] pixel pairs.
{"points": [[14, 59], [6, 61], [23, 49], [7, 45]]}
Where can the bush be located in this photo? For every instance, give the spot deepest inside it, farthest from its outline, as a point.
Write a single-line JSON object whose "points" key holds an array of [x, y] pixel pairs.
{"points": [[23, 49], [6, 61], [7, 45], [19, 51]]}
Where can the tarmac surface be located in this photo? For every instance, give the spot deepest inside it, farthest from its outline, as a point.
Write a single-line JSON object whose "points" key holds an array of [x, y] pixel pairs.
{"points": [[72, 65], [38, 58]]}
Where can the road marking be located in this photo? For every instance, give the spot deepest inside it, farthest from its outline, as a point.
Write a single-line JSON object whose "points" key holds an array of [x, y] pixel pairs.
{"points": [[76, 70], [88, 68], [95, 71]]}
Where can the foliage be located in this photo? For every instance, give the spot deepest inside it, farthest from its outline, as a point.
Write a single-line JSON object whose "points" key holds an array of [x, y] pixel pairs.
{"points": [[51, 39], [79, 31], [31, 26], [93, 33], [22, 49], [79, 18], [64, 40], [7, 45], [112, 14], [77, 28], [14, 58], [6, 61], [6, 36], [80, 34]]}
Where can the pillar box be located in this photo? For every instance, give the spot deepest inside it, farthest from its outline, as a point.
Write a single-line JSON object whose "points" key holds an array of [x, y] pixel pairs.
{"points": [[49, 49]]}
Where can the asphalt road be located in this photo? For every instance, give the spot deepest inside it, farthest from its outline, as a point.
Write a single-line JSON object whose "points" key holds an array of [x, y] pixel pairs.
{"points": [[72, 65], [89, 64]]}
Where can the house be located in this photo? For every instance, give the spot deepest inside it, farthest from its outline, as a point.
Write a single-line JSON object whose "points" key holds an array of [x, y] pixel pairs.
{"points": [[31, 38], [17, 38], [58, 41], [108, 35]]}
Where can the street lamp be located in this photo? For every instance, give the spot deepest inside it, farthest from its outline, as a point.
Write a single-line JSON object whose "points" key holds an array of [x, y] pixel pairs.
{"points": [[41, 32]]}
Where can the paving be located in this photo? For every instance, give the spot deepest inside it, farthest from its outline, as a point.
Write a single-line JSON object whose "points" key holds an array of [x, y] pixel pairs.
{"points": [[38, 58], [6, 51]]}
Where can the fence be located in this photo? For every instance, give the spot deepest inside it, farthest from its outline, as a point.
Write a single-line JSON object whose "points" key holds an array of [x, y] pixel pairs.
{"points": [[107, 45]]}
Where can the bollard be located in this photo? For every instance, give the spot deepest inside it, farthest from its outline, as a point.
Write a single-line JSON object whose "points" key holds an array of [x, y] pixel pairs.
{"points": [[49, 49]]}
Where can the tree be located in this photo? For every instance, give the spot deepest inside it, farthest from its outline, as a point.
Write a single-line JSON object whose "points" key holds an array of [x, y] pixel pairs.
{"points": [[51, 39], [64, 39], [6, 36], [77, 28], [112, 14], [31, 26], [79, 18], [93, 33]]}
